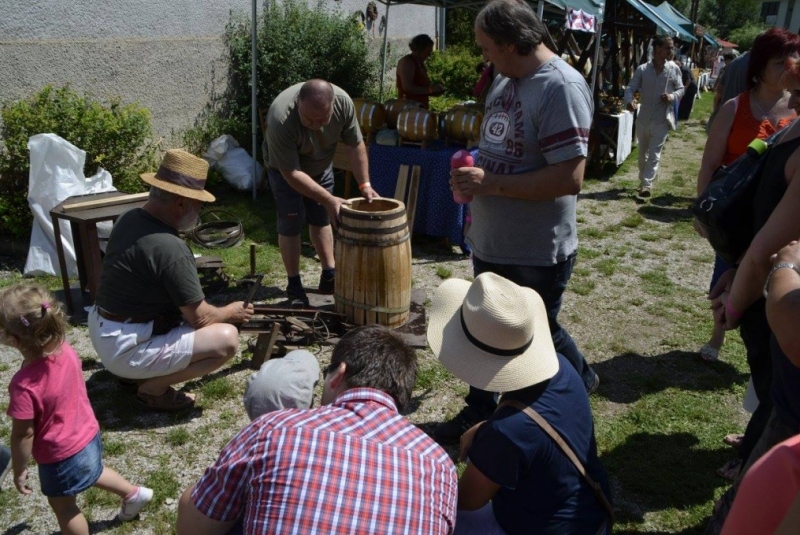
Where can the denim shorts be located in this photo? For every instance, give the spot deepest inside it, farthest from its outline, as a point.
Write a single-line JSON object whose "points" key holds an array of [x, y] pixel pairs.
{"points": [[74, 474]]}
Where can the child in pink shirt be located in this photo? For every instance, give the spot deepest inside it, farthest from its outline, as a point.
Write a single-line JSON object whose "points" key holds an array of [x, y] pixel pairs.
{"points": [[52, 417]]}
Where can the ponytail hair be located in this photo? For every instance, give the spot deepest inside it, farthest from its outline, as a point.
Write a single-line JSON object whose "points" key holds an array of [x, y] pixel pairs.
{"points": [[30, 313]]}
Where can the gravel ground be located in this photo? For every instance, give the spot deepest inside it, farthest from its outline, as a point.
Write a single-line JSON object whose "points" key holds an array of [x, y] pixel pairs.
{"points": [[171, 451]]}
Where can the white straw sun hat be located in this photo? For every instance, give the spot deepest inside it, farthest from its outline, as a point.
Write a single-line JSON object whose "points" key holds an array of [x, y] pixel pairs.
{"points": [[183, 174], [491, 333]]}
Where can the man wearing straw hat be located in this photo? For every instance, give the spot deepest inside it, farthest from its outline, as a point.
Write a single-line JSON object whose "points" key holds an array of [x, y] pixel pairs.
{"points": [[151, 323], [304, 124], [494, 335], [527, 176]]}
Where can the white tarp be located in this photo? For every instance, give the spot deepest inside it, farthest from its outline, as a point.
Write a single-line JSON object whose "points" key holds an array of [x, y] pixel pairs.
{"points": [[56, 174]]}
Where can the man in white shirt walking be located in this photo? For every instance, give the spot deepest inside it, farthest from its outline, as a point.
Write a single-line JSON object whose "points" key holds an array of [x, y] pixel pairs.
{"points": [[659, 84]]}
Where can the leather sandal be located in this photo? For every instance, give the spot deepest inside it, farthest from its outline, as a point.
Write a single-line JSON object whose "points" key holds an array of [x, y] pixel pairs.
{"points": [[171, 400], [730, 470], [734, 439]]}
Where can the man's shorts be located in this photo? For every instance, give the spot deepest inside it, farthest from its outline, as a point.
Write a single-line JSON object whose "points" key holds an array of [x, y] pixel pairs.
{"points": [[294, 208], [131, 351]]}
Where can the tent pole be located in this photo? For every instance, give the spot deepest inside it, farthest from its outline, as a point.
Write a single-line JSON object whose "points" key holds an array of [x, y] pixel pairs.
{"points": [[253, 95], [540, 10], [598, 37], [385, 43], [443, 26]]}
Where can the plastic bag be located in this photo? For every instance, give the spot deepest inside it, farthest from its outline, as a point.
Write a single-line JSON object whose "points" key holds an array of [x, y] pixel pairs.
{"points": [[56, 173], [233, 162]]}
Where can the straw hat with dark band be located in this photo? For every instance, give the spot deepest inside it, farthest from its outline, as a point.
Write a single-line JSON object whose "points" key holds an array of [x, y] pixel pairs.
{"points": [[183, 174], [491, 333]]}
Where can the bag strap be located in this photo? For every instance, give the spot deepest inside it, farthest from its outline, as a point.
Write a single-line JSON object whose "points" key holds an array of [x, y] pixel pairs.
{"points": [[559, 440]]}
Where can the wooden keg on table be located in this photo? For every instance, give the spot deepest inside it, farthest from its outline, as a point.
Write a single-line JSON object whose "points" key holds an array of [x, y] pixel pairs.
{"points": [[393, 108], [373, 263], [463, 124], [417, 124], [370, 114]]}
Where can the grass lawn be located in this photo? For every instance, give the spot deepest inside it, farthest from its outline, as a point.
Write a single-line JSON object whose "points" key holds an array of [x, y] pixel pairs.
{"points": [[635, 305]]}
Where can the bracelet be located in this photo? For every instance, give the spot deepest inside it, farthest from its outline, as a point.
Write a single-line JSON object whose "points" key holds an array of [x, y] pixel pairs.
{"points": [[364, 185], [732, 312], [776, 267]]}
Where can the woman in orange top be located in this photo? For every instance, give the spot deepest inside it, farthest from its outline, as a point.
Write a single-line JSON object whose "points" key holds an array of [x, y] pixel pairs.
{"points": [[759, 112], [412, 76]]}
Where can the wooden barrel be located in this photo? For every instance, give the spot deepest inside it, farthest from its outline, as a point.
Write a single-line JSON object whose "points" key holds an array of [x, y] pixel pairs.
{"points": [[417, 124], [393, 108], [373, 263], [463, 124], [370, 114]]}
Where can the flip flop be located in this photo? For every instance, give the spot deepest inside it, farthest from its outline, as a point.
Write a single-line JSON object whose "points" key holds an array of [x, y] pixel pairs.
{"points": [[169, 401], [708, 353], [734, 439], [730, 470]]}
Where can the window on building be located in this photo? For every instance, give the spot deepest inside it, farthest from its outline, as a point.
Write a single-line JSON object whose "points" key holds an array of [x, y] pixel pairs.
{"points": [[769, 12]]}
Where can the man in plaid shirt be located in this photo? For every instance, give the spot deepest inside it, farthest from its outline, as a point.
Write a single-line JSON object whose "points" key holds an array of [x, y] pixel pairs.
{"points": [[354, 465]]}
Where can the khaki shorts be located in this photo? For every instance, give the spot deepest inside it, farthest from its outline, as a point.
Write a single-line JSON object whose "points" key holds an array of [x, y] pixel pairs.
{"points": [[131, 351]]}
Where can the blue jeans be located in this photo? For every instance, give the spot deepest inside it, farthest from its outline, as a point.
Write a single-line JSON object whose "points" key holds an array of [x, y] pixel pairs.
{"points": [[550, 283]]}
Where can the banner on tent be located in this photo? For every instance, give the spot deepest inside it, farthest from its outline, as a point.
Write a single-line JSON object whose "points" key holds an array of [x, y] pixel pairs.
{"points": [[579, 20]]}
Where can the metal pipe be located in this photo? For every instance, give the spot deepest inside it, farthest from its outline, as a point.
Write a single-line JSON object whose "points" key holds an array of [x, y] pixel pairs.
{"points": [[385, 42], [253, 93]]}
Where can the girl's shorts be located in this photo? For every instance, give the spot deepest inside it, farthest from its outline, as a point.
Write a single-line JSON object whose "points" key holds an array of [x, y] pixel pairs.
{"points": [[74, 474]]}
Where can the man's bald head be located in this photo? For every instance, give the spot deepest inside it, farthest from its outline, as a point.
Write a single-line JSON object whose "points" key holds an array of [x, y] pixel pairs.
{"points": [[315, 103]]}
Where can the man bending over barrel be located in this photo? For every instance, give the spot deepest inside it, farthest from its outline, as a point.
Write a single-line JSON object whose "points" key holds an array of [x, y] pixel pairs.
{"points": [[304, 124], [151, 322]]}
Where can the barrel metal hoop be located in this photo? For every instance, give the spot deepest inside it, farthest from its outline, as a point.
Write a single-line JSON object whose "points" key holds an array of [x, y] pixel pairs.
{"points": [[390, 243], [373, 231], [374, 216], [371, 308]]}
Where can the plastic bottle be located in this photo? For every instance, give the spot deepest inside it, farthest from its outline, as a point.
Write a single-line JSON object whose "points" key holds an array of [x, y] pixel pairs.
{"points": [[461, 158], [757, 147]]}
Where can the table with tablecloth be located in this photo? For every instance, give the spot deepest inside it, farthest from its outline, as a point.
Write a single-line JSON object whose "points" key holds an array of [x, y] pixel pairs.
{"points": [[612, 137], [436, 213]]}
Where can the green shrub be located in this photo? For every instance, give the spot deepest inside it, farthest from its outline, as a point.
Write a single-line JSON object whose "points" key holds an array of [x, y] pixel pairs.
{"points": [[295, 43], [455, 70], [745, 35], [115, 136]]}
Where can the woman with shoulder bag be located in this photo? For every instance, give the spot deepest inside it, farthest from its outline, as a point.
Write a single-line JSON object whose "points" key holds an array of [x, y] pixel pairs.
{"points": [[738, 299], [759, 112]]}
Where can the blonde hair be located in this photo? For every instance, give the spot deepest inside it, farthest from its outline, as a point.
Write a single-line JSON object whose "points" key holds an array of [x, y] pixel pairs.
{"points": [[31, 314]]}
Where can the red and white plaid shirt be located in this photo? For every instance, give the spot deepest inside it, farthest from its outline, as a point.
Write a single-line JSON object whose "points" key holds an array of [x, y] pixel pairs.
{"points": [[355, 466]]}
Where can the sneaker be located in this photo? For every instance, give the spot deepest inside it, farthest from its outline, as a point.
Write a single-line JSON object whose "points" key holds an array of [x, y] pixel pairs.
{"points": [[450, 432], [645, 192], [297, 297], [130, 508], [5, 463], [592, 388], [327, 284]]}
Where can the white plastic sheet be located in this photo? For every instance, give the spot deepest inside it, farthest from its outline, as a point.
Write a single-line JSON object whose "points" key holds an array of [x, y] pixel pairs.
{"points": [[234, 163], [57, 173]]}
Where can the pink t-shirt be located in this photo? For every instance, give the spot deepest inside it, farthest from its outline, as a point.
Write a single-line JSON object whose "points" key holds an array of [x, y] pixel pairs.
{"points": [[767, 491], [51, 392]]}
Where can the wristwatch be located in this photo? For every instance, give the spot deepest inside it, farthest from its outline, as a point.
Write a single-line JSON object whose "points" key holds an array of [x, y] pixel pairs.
{"points": [[776, 267]]}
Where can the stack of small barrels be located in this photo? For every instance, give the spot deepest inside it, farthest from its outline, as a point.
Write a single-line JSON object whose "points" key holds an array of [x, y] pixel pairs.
{"points": [[461, 124]]}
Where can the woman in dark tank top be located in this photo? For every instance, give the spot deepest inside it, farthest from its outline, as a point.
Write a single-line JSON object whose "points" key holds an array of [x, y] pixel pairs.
{"points": [[776, 223]]}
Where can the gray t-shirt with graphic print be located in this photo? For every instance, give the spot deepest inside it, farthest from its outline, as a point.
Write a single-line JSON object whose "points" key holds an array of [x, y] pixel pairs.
{"points": [[530, 123]]}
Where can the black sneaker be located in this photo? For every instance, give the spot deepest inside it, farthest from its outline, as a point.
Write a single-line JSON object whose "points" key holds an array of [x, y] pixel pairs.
{"points": [[592, 388], [327, 284], [297, 297], [450, 432], [5, 463]]}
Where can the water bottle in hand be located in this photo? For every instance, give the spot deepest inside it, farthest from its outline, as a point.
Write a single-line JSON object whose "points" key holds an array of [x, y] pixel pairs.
{"points": [[461, 158]]}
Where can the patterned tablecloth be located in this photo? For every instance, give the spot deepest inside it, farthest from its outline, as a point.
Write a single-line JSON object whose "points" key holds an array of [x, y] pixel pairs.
{"points": [[437, 214]]}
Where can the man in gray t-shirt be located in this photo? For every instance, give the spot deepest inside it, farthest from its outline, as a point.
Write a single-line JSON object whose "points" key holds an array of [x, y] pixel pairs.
{"points": [[732, 81], [533, 148], [304, 124]]}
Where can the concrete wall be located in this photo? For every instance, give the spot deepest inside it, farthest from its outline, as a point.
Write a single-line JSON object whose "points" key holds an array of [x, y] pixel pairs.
{"points": [[164, 55]]}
